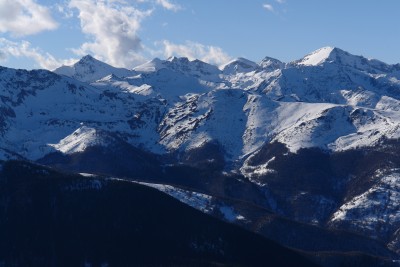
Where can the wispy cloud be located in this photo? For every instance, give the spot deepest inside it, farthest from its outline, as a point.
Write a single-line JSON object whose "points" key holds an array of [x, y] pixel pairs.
{"points": [[24, 49], [281, 1], [193, 50], [64, 10], [112, 26], [24, 17], [268, 7], [168, 5], [3, 55]]}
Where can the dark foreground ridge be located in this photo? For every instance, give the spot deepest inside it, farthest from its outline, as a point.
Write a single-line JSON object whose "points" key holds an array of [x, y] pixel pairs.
{"points": [[48, 218]]}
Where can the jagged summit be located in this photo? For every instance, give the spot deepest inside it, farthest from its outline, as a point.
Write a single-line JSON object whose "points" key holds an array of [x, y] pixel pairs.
{"points": [[178, 59], [184, 65]]}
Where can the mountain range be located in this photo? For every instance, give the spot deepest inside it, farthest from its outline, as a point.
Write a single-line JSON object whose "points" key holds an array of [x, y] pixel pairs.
{"points": [[304, 153]]}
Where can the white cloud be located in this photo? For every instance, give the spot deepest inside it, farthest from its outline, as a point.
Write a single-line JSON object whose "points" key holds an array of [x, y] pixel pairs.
{"points": [[281, 1], [192, 50], [113, 26], [24, 49], [168, 5], [268, 7], [24, 17]]}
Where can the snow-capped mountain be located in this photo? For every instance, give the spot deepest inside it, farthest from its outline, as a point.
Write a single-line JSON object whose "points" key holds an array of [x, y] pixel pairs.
{"points": [[246, 119], [338, 56], [89, 69], [330, 99], [194, 68]]}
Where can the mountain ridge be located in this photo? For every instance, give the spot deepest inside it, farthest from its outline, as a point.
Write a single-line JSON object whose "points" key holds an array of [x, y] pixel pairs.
{"points": [[278, 135]]}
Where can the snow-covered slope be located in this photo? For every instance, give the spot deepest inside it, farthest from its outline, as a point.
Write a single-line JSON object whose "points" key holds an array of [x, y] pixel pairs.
{"points": [[317, 57], [81, 139], [43, 111], [375, 211], [329, 99], [338, 56]]}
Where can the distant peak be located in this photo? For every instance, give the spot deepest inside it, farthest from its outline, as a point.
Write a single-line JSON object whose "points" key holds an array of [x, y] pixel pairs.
{"points": [[90, 61], [90, 69], [239, 65], [271, 63], [151, 66], [88, 58], [270, 59], [171, 58], [156, 60], [240, 59], [178, 59], [317, 57]]}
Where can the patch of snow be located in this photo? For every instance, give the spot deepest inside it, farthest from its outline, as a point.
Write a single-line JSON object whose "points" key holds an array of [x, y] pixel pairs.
{"points": [[199, 201], [388, 103], [252, 172], [79, 140], [229, 214], [375, 211], [87, 174], [196, 200]]}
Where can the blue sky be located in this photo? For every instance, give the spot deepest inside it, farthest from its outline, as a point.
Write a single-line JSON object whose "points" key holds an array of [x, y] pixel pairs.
{"points": [[125, 33]]}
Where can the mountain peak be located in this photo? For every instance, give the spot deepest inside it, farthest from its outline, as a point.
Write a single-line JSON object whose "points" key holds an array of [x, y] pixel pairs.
{"points": [[87, 61], [319, 56], [87, 58], [194, 67], [271, 64], [175, 59], [150, 66], [90, 69], [340, 57], [239, 65]]}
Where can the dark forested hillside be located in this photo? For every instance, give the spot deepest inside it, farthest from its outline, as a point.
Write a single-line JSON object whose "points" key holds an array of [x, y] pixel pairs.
{"points": [[52, 219]]}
